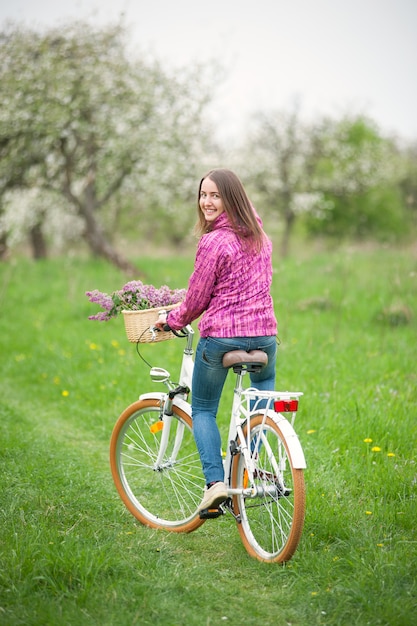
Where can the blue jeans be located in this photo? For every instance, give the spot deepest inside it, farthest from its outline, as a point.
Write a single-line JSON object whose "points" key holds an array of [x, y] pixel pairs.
{"points": [[208, 381]]}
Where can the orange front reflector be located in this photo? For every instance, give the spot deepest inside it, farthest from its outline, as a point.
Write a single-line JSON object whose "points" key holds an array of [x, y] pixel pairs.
{"points": [[245, 479], [156, 427]]}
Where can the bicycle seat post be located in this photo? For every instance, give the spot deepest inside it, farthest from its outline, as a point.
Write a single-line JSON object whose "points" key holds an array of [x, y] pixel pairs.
{"points": [[241, 362], [239, 380]]}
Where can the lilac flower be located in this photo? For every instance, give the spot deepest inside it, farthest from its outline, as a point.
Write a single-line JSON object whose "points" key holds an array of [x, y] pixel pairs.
{"points": [[133, 296], [101, 317]]}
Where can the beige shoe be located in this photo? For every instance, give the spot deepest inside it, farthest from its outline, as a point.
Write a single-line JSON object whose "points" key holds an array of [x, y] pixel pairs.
{"points": [[214, 496]]}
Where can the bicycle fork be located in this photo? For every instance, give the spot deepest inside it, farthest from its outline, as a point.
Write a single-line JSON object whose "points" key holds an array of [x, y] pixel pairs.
{"points": [[165, 424]]}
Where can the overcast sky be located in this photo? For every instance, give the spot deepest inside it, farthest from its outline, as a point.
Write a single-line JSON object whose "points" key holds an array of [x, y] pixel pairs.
{"points": [[329, 56]]}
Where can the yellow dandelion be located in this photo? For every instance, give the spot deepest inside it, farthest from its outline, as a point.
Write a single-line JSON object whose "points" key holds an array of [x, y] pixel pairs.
{"points": [[56, 380], [115, 343], [390, 454], [314, 593], [368, 440], [380, 545], [311, 431], [93, 346], [368, 512], [65, 393], [376, 449], [122, 352]]}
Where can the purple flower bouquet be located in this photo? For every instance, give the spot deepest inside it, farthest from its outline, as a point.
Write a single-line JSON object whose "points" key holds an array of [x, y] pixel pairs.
{"points": [[134, 296], [137, 302]]}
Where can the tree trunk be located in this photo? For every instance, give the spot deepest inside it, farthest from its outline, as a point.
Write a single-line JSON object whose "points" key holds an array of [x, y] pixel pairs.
{"points": [[289, 215], [3, 247], [286, 236], [38, 243], [94, 234], [100, 246]]}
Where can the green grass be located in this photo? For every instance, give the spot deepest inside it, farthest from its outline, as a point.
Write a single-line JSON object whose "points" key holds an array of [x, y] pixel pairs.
{"points": [[70, 554]]}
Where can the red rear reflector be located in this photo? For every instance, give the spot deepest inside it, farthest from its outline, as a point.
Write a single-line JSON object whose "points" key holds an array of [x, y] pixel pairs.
{"points": [[285, 406]]}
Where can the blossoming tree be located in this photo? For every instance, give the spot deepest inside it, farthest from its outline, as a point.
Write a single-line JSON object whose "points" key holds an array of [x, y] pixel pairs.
{"points": [[85, 120]]}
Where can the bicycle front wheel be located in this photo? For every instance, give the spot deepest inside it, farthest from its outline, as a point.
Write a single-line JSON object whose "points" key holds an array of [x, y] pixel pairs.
{"points": [[156, 466], [271, 519]]}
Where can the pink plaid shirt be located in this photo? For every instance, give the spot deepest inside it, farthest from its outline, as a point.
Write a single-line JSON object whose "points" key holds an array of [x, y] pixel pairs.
{"points": [[229, 287]]}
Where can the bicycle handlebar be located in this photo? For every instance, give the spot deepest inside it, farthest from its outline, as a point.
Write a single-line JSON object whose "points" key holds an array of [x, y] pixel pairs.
{"points": [[184, 332]]}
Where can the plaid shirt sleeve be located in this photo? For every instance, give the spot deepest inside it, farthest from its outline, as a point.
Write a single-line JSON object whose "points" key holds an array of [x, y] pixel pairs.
{"points": [[200, 287]]}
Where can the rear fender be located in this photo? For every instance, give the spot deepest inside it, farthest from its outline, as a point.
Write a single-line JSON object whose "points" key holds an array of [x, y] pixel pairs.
{"points": [[294, 446]]}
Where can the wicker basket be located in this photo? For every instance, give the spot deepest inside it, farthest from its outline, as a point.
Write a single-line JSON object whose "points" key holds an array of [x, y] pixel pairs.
{"points": [[138, 324]]}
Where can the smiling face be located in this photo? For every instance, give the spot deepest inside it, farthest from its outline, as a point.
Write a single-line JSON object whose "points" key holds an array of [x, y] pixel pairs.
{"points": [[211, 203]]}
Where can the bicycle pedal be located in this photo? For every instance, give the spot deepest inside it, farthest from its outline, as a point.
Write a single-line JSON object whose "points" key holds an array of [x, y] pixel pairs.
{"points": [[211, 513]]}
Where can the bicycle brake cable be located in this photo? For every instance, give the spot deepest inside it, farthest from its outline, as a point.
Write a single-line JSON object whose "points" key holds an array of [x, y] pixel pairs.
{"points": [[139, 354], [178, 333]]}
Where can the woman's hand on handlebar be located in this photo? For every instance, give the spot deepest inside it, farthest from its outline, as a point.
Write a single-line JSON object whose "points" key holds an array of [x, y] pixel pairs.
{"points": [[161, 323]]}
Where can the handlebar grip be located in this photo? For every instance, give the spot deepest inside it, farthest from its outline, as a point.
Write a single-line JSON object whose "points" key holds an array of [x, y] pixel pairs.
{"points": [[165, 327], [184, 332]]}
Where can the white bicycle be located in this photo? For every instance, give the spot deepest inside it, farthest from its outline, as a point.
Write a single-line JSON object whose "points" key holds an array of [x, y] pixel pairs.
{"points": [[157, 471]]}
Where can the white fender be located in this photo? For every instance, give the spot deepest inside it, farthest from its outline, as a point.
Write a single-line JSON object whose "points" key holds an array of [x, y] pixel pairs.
{"points": [[182, 404], [179, 402], [294, 446], [153, 395]]}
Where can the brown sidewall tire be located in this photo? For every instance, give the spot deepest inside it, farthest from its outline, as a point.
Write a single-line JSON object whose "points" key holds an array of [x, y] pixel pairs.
{"points": [[299, 501], [188, 526]]}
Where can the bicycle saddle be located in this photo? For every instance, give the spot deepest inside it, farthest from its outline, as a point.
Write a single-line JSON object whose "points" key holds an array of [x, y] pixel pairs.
{"points": [[247, 360]]}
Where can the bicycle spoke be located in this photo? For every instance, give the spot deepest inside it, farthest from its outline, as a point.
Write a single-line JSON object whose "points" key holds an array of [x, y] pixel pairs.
{"points": [[271, 524], [161, 488]]}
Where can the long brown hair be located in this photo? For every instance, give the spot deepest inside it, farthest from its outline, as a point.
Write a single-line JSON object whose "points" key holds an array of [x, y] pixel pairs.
{"points": [[237, 206]]}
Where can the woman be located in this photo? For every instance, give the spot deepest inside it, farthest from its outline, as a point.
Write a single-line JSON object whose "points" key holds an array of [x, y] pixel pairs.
{"points": [[230, 288]]}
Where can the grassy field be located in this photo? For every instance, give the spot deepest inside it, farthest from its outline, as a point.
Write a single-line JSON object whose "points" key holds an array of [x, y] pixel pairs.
{"points": [[70, 554]]}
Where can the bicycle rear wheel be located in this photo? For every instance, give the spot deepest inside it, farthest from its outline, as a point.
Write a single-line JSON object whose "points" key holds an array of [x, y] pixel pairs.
{"points": [[270, 522], [162, 490]]}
